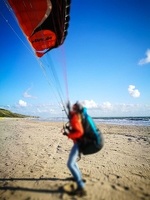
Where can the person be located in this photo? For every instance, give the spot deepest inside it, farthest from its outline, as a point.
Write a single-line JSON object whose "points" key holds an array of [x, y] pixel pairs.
{"points": [[74, 130], [87, 139]]}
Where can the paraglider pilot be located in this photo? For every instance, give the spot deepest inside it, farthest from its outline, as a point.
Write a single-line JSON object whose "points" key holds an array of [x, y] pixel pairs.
{"points": [[74, 130], [87, 139]]}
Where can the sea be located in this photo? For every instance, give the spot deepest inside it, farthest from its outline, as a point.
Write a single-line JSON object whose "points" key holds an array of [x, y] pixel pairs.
{"points": [[137, 121]]}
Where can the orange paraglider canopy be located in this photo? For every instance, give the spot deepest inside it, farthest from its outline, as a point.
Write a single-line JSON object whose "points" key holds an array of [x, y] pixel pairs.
{"points": [[44, 22]]}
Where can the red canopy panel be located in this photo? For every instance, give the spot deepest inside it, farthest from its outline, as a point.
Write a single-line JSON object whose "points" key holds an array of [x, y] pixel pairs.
{"points": [[44, 22]]}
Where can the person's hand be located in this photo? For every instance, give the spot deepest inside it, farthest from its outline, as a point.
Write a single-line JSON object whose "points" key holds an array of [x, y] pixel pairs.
{"points": [[65, 131], [68, 126]]}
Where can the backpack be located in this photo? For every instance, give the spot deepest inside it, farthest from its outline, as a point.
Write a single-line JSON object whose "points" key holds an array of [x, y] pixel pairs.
{"points": [[92, 140]]}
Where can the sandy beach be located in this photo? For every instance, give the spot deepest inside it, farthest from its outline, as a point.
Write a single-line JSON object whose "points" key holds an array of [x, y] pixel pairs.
{"points": [[33, 156]]}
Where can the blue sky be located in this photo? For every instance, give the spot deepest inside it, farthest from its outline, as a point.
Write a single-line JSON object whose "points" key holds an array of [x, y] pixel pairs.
{"points": [[104, 62]]}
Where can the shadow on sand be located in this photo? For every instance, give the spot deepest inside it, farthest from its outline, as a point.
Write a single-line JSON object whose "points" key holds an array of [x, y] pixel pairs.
{"points": [[59, 190]]}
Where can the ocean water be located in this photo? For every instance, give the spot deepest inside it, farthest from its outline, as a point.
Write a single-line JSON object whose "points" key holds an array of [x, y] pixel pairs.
{"points": [[138, 121]]}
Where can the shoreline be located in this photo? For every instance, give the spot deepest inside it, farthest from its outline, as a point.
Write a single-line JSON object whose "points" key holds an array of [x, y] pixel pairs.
{"points": [[33, 158]]}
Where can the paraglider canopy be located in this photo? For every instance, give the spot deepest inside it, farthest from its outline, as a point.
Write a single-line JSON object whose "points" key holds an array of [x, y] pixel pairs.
{"points": [[44, 22]]}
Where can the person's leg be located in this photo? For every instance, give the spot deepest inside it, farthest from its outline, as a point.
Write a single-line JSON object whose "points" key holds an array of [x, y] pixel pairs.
{"points": [[73, 167]]}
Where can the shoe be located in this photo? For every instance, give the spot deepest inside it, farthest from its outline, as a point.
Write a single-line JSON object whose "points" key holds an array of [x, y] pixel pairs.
{"points": [[80, 192]]}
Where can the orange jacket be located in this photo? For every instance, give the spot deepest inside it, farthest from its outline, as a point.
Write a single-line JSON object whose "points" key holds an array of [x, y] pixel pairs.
{"points": [[76, 125]]}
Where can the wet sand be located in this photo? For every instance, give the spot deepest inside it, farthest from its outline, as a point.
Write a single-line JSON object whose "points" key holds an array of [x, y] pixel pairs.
{"points": [[33, 158]]}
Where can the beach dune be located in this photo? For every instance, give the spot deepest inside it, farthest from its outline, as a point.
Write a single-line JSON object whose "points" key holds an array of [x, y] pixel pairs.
{"points": [[33, 157]]}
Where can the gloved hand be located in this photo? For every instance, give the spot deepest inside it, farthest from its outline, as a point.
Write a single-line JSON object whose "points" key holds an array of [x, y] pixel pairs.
{"points": [[65, 133], [65, 130], [68, 126]]}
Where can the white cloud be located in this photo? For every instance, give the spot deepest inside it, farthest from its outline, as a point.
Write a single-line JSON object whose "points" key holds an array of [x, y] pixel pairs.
{"points": [[22, 103], [89, 104], [107, 106], [145, 60], [27, 95], [105, 109], [133, 92]]}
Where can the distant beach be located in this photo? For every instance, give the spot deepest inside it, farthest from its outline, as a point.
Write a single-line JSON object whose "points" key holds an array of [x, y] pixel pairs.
{"points": [[34, 153]]}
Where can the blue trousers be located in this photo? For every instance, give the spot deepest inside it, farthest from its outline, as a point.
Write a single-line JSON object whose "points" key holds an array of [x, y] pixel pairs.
{"points": [[73, 167]]}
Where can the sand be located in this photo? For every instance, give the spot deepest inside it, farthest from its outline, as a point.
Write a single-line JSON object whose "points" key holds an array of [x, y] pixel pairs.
{"points": [[33, 158]]}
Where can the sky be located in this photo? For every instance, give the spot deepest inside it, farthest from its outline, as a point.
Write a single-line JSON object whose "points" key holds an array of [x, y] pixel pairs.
{"points": [[104, 62]]}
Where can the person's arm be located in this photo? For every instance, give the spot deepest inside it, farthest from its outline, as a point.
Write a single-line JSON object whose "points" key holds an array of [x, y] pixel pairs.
{"points": [[77, 128]]}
